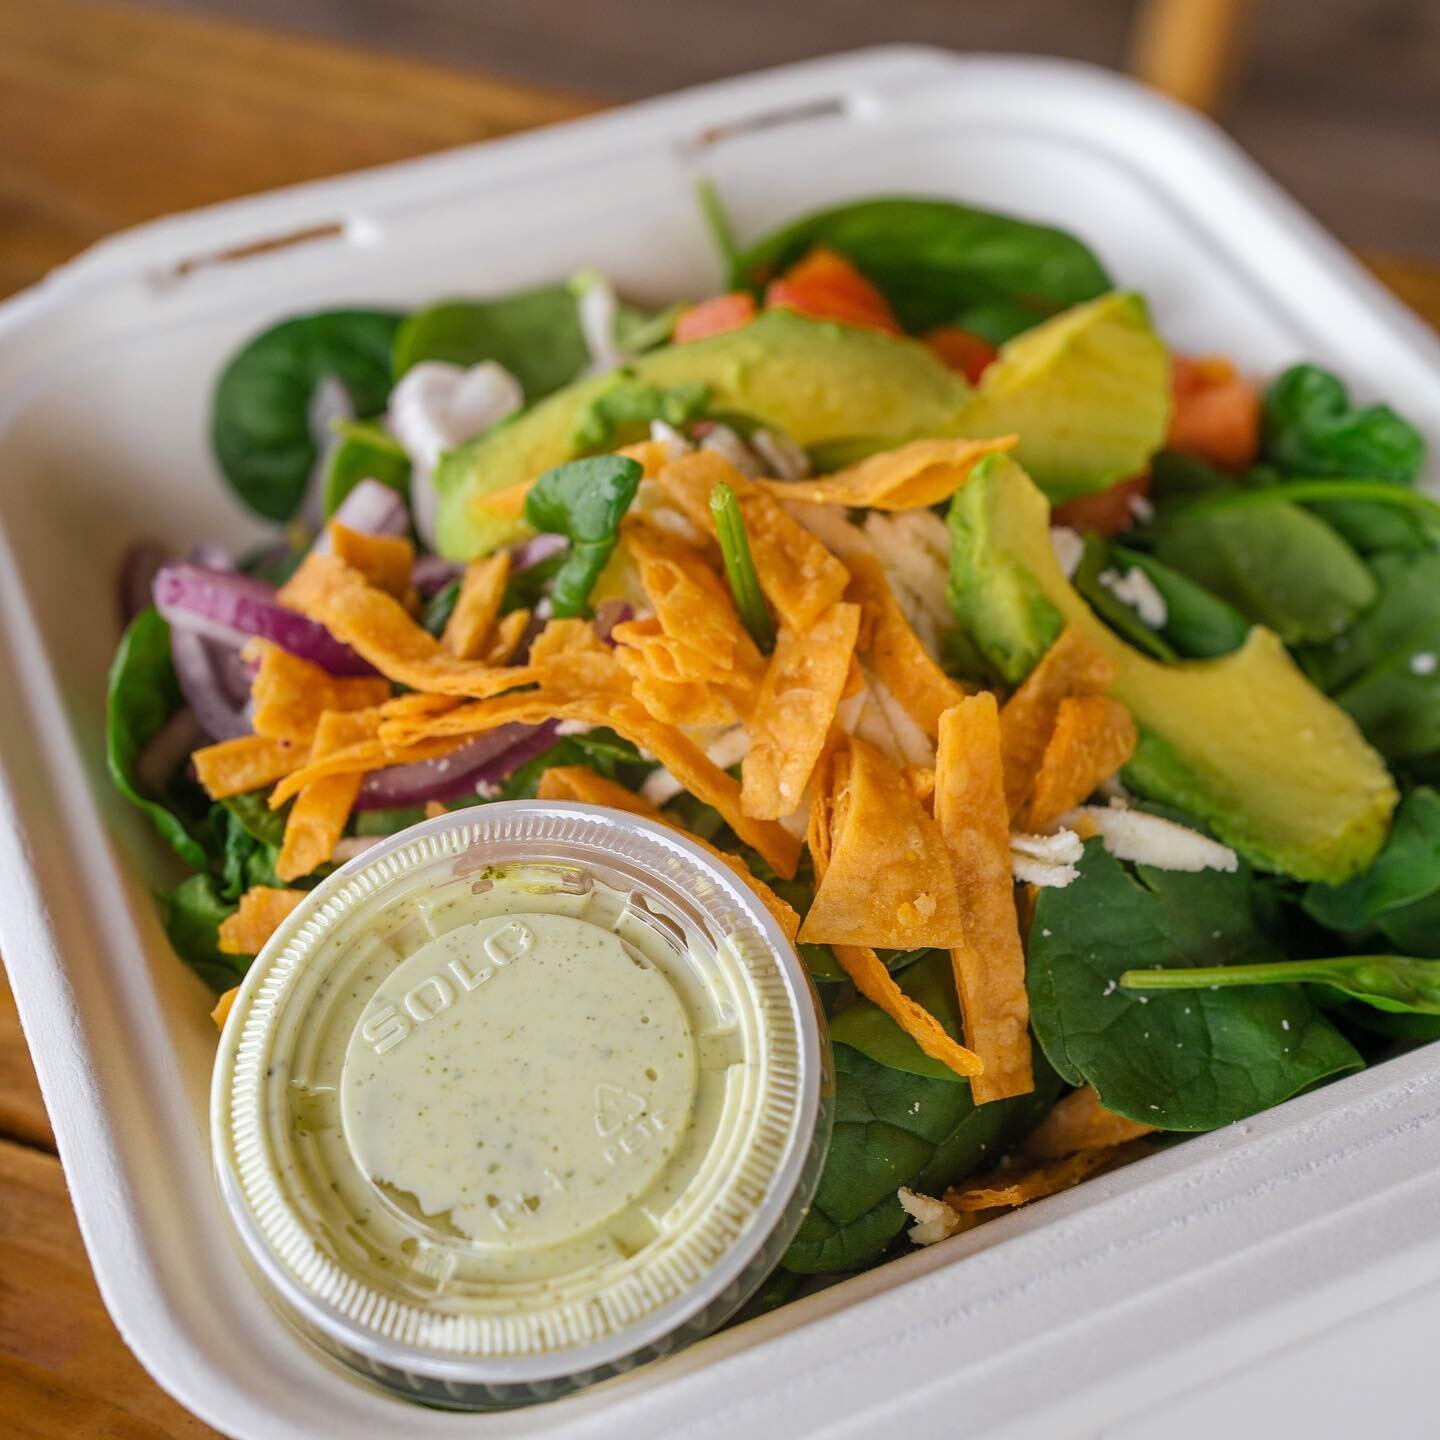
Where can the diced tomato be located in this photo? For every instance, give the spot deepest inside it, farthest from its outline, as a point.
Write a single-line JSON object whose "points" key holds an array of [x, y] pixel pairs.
{"points": [[827, 286], [1217, 413], [714, 316], [961, 350], [1106, 512]]}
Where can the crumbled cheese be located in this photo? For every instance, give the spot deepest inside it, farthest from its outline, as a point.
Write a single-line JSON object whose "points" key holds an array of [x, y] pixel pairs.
{"points": [[1069, 548], [783, 458], [660, 786], [1141, 508], [1423, 663], [1038, 872], [1150, 840], [729, 747], [1137, 590], [664, 433], [729, 446], [935, 1220], [1064, 847], [913, 745], [437, 406]]}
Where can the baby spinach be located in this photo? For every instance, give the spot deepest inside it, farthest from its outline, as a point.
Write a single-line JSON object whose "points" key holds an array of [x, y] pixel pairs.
{"points": [[624, 412], [1197, 624], [1400, 889], [536, 335], [584, 500], [193, 914], [1277, 564], [363, 450], [939, 263], [1401, 984], [1189, 1061], [894, 1128], [867, 1028], [144, 696], [260, 413], [1120, 617], [439, 607], [601, 749], [1309, 427]]}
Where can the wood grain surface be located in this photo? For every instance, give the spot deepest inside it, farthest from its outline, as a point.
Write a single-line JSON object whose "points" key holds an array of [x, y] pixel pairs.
{"points": [[109, 116]]}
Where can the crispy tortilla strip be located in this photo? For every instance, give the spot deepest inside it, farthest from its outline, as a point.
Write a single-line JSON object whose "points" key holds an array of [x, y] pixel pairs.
{"points": [[674, 702], [290, 694], [223, 1006], [650, 455], [669, 656], [1071, 666], [505, 638], [914, 477], [972, 816], [384, 560], [477, 606], [799, 576], [248, 762], [318, 817], [359, 759], [377, 626], [888, 883], [1019, 1187], [921, 780], [579, 782], [262, 910], [1076, 1123], [895, 653], [416, 704], [795, 709], [1094, 737]]}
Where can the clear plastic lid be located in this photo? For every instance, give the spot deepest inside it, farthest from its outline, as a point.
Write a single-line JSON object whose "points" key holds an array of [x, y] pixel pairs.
{"points": [[517, 1097]]}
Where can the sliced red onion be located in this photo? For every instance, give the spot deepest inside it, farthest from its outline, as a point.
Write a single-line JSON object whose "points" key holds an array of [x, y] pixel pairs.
{"points": [[486, 759], [609, 614], [431, 573], [230, 608], [372, 509], [534, 550], [200, 667], [211, 557], [139, 566]]}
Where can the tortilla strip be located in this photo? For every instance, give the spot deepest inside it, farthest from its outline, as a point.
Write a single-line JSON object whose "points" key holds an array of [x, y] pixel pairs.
{"points": [[505, 638], [670, 656], [1071, 666], [895, 652], [675, 702], [321, 810], [1019, 1187], [384, 560], [1079, 1122], [416, 703], [989, 966], [358, 759], [477, 606], [290, 694], [888, 883], [1094, 737], [261, 911], [248, 762], [799, 576], [795, 709], [223, 1006], [912, 477], [378, 627], [579, 782]]}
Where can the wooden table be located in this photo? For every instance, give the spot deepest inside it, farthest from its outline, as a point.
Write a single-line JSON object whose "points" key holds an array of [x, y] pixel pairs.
{"points": [[109, 116]]}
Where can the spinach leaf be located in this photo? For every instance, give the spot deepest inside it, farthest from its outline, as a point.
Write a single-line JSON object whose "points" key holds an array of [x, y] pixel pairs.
{"points": [[624, 412], [252, 813], [584, 500], [601, 749], [144, 696], [1189, 1061], [439, 607], [536, 335], [1310, 428], [893, 1128], [363, 450], [1197, 624], [192, 923], [260, 414], [939, 263], [1400, 893], [1125, 622], [867, 1028], [1277, 564]]}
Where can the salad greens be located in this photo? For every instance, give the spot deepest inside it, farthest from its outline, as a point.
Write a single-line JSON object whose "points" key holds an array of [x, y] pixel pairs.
{"points": [[260, 424], [740, 567]]}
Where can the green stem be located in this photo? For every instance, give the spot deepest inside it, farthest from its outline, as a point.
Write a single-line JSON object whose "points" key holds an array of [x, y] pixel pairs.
{"points": [[740, 566], [717, 222], [1380, 492]]}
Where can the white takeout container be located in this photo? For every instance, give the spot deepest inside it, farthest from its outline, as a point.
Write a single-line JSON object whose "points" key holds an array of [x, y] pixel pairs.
{"points": [[1084, 1311]]}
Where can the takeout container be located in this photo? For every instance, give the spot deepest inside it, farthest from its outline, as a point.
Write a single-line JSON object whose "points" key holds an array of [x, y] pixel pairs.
{"points": [[1068, 1315]]}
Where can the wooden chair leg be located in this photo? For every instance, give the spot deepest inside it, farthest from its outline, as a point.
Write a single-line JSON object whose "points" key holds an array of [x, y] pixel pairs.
{"points": [[1189, 49]]}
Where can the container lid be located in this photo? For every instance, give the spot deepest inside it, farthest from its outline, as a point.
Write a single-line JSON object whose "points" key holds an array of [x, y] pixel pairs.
{"points": [[517, 1093]]}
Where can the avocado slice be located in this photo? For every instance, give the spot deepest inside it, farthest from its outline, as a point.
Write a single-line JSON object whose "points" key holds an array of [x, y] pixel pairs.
{"points": [[1087, 392], [819, 382], [1243, 742]]}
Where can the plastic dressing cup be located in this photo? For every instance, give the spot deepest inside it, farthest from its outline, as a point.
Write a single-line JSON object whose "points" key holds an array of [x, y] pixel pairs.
{"points": [[518, 1098]]}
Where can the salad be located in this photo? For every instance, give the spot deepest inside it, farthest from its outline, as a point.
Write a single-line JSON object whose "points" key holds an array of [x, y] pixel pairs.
{"points": [[1072, 704]]}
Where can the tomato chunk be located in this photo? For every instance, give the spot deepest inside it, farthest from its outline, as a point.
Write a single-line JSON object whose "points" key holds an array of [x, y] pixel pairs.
{"points": [[1217, 413], [1106, 512], [826, 286], [961, 350], [714, 316]]}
